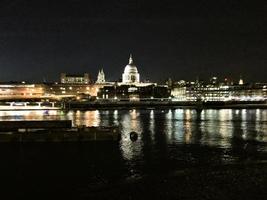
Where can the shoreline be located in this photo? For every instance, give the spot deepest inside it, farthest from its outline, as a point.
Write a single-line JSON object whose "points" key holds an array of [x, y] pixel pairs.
{"points": [[143, 105], [163, 105], [29, 108]]}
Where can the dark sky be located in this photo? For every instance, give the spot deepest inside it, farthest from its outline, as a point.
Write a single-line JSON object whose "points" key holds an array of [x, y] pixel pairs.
{"points": [[179, 39]]}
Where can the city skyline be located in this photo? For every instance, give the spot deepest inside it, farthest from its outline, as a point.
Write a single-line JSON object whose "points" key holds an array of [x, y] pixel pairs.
{"points": [[92, 79]]}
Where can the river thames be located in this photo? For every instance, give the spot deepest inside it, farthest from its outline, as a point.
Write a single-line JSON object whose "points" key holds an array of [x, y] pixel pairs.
{"points": [[169, 141]]}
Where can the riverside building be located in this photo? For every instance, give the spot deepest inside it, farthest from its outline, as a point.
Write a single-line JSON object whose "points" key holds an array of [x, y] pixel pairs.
{"points": [[215, 91], [128, 92], [21, 91]]}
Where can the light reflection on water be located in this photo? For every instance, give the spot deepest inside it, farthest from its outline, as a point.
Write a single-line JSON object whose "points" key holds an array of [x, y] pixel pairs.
{"points": [[167, 128]]}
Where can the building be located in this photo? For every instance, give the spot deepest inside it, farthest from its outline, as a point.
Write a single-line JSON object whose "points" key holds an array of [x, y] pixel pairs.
{"points": [[74, 79], [75, 86], [130, 75], [248, 92], [61, 90], [101, 77], [129, 92], [194, 91], [21, 91]]}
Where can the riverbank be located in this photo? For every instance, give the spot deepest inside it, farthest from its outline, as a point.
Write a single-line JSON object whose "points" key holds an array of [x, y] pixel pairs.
{"points": [[162, 104], [18, 108]]}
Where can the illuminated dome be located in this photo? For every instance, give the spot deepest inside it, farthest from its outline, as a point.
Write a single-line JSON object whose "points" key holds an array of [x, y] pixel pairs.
{"points": [[130, 74], [130, 68]]}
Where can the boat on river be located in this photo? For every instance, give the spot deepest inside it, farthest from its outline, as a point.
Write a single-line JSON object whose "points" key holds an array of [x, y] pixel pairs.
{"points": [[54, 131]]}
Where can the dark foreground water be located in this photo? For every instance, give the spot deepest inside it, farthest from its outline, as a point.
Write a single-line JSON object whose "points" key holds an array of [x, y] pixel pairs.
{"points": [[170, 141]]}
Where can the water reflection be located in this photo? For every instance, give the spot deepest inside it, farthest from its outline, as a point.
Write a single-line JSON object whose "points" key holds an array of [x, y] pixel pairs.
{"points": [[216, 126], [152, 124], [131, 122], [161, 129]]}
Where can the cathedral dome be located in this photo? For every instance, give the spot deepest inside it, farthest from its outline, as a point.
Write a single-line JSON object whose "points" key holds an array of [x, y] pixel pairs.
{"points": [[130, 74], [130, 68]]}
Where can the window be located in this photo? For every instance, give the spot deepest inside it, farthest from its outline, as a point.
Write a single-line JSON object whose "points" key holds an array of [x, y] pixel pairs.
{"points": [[132, 78]]}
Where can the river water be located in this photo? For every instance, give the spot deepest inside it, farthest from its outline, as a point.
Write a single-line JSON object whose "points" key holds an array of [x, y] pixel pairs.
{"points": [[168, 140]]}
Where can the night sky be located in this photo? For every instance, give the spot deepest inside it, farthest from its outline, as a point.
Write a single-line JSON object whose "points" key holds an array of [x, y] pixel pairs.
{"points": [[178, 39]]}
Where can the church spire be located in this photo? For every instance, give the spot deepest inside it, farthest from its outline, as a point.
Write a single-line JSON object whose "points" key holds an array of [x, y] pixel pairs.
{"points": [[101, 76], [131, 59]]}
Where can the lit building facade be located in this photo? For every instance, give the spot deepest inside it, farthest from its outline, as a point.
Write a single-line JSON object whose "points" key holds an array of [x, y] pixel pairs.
{"points": [[248, 92], [21, 91], [201, 91], [71, 90], [74, 79]]}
